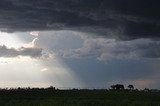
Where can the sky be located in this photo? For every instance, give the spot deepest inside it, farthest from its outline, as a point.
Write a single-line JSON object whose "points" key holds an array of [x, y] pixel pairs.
{"points": [[79, 43]]}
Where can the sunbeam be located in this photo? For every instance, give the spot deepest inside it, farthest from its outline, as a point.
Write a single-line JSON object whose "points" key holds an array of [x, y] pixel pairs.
{"points": [[24, 71]]}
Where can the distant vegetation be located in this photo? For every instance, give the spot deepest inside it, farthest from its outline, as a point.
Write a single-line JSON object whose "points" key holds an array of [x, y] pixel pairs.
{"points": [[116, 96]]}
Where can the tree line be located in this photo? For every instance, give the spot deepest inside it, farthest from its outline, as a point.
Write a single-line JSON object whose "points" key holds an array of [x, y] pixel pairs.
{"points": [[121, 87], [115, 87]]}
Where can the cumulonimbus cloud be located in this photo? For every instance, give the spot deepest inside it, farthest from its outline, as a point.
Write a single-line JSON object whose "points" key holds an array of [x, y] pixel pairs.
{"points": [[12, 52], [130, 18], [78, 45], [108, 49]]}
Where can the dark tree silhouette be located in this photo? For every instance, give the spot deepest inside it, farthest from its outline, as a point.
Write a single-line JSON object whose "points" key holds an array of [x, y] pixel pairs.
{"points": [[131, 87], [113, 87], [117, 87]]}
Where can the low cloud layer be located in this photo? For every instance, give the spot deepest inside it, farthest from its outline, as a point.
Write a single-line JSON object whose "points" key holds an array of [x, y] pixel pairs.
{"points": [[128, 19], [108, 49], [11, 52], [69, 44]]}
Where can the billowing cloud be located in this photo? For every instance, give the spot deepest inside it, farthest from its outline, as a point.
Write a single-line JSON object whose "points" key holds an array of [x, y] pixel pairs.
{"points": [[129, 19], [11, 52], [108, 49], [78, 45]]}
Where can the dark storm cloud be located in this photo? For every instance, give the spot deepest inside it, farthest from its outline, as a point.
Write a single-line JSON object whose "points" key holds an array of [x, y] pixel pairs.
{"points": [[129, 18], [11, 52]]}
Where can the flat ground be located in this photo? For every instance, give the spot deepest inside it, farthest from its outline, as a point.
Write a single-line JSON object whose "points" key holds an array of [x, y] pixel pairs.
{"points": [[51, 97]]}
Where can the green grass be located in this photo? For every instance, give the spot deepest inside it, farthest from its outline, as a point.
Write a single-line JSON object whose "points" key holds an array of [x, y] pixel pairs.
{"points": [[50, 97]]}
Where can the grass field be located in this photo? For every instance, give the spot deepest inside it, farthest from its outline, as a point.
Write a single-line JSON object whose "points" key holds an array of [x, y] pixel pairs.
{"points": [[52, 97]]}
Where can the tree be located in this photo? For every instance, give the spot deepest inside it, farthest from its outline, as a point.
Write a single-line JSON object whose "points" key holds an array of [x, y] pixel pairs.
{"points": [[131, 87], [51, 88], [117, 87], [113, 87]]}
